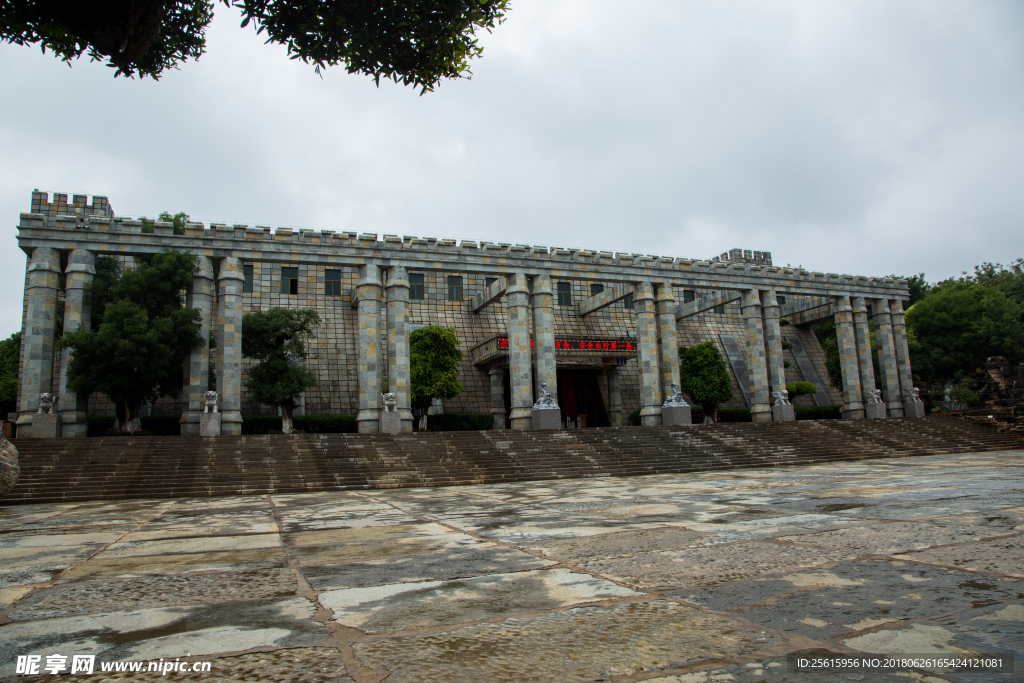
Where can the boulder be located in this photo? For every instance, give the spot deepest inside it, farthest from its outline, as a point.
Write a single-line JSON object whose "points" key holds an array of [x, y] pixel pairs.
{"points": [[9, 469]]}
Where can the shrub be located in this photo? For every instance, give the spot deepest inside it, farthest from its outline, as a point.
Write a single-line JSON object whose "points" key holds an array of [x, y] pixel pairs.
{"points": [[158, 425], [961, 394], [460, 422], [634, 418], [326, 424], [801, 389], [818, 412], [787, 344], [734, 414]]}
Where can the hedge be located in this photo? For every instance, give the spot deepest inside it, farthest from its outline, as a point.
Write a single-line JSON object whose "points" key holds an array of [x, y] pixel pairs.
{"points": [[819, 412], [734, 414], [460, 422], [313, 424], [158, 425]]}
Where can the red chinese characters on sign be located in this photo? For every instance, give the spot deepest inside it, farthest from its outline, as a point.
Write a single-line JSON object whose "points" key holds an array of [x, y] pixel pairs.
{"points": [[583, 345]]}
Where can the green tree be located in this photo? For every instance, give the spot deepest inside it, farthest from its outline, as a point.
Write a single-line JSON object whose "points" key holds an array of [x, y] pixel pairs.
{"points": [[1008, 279], [826, 334], [137, 343], [435, 361], [919, 287], [10, 356], [179, 220], [704, 377], [276, 340], [959, 324], [415, 42]]}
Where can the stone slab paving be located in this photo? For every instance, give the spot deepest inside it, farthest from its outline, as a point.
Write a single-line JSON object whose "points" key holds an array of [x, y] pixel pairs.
{"points": [[683, 578]]}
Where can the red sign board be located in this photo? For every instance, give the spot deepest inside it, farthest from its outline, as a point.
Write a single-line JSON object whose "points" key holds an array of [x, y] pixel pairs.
{"points": [[583, 344]]}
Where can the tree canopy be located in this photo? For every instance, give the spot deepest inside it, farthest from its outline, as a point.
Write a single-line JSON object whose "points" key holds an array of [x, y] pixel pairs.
{"points": [[140, 335], [413, 42], [435, 360], [275, 338], [704, 377], [10, 356]]}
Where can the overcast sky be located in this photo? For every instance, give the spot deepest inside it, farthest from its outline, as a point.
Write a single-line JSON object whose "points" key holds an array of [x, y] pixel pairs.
{"points": [[852, 137]]}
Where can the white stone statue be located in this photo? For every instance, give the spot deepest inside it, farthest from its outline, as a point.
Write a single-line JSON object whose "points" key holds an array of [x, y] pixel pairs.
{"points": [[675, 399], [211, 402], [47, 403], [781, 397], [913, 395], [390, 402], [873, 396], [546, 400]]}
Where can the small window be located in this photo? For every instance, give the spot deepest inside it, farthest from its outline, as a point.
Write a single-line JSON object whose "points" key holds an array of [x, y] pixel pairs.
{"points": [[454, 288], [720, 309], [415, 285], [596, 289], [488, 281], [689, 295], [565, 294], [289, 280], [332, 283], [628, 301], [247, 284], [781, 300]]}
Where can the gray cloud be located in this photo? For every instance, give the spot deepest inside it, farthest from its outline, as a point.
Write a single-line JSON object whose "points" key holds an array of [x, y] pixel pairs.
{"points": [[855, 137]]}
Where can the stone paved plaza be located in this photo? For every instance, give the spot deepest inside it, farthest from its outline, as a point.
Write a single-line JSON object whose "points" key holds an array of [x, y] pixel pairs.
{"points": [[670, 578]]}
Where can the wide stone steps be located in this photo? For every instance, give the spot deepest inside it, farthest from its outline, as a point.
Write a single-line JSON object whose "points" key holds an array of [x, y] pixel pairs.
{"points": [[56, 470]]}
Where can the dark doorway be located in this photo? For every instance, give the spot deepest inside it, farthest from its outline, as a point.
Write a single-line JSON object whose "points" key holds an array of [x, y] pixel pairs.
{"points": [[579, 396]]}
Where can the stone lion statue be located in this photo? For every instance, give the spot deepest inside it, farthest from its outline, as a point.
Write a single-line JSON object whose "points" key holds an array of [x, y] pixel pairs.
{"points": [[47, 403], [914, 395], [390, 402], [781, 397], [211, 402], [873, 396]]}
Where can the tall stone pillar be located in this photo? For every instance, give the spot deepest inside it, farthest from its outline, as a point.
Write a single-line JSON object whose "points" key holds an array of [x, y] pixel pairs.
{"points": [[370, 291], [853, 407], [614, 398], [773, 347], [757, 364], [862, 333], [497, 397], [229, 337], [399, 363], [36, 373], [669, 357], [77, 314], [544, 335], [197, 364], [518, 295], [912, 406], [647, 347], [887, 357]]}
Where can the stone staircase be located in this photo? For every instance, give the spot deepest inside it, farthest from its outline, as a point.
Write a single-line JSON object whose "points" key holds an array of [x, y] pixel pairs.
{"points": [[117, 468]]}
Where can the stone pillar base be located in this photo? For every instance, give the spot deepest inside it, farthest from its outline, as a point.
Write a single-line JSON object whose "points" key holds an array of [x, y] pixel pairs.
{"points": [[650, 416], [913, 409], [390, 423], [676, 415], [521, 418], [188, 425], [874, 411], [45, 426], [853, 413], [368, 421], [761, 413], [230, 422], [74, 430], [406, 418], [209, 424], [895, 409], [499, 418], [783, 412], [546, 419]]}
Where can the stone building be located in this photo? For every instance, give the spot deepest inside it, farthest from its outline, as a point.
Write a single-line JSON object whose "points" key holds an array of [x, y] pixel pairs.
{"points": [[600, 329]]}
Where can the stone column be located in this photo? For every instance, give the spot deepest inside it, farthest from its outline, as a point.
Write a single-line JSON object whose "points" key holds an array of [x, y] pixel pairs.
{"points": [[398, 344], [773, 347], [911, 407], [757, 364], [887, 357], [77, 315], [647, 347], [497, 397], [862, 333], [544, 336], [230, 280], [369, 289], [853, 407], [36, 373], [197, 364], [669, 358], [518, 296], [614, 398]]}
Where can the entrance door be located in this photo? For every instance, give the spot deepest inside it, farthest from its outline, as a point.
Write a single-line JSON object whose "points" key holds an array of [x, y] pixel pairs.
{"points": [[579, 396]]}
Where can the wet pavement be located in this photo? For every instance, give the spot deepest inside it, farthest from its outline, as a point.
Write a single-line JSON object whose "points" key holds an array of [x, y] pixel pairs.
{"points": [[683, 578]]}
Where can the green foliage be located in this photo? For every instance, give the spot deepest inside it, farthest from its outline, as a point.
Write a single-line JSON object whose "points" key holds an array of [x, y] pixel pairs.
{"points": [[784, 322], [961, 394], [179, 220], [961, 323], [138, 342], [460, 422], [703, 377], [818, 412], [435, 361], [734, 415], [801, 389], [275, 338], [415, 42], [312, 424], [787, 344], [919, 287], [826, 334], [1008, 279], [10, 354], [156, 425], [634, 418]]}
